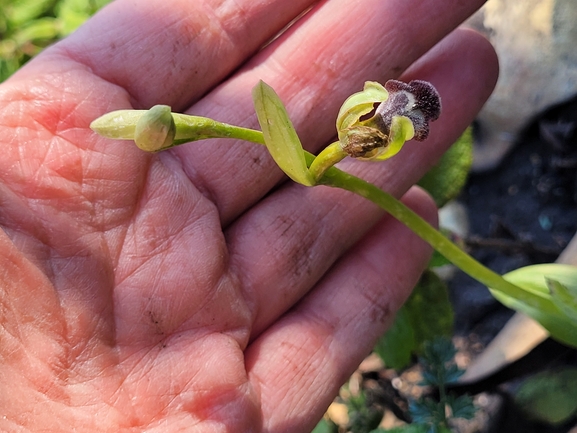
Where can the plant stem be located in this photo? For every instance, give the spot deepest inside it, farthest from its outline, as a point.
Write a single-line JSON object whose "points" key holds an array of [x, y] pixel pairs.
{"points": [[328, 157], [189, 128], [443, 404], [425, 231], [325, 174]]}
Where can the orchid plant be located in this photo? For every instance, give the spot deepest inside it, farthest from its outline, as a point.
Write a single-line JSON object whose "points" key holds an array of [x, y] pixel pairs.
{"points": [[373, 125]]}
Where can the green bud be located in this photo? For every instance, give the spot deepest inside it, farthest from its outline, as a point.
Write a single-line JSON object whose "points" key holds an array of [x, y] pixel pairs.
{"points": [[155, 130], [119, 125]]}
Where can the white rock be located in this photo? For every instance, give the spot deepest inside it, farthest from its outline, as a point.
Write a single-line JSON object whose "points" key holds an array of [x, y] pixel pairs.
{"points": [[536, 41]]}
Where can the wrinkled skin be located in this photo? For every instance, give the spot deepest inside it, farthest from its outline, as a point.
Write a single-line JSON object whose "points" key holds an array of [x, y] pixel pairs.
{"points": [[196, 289]]}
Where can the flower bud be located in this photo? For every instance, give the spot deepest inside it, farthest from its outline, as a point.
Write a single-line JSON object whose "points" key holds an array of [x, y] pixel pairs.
{"points": [[119, 124], [155, 130]]}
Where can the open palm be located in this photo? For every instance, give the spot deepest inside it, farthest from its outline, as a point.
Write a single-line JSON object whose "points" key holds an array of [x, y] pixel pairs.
{"points": [[192, 290]]}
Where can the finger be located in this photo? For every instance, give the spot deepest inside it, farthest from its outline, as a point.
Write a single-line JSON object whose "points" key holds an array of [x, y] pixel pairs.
{"points": [[318, 63], [303, 358], [173, 51], [283, 245]]}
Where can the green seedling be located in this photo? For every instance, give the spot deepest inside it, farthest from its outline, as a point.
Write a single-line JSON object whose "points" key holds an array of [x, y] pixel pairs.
{"points": [[440, 370], [373, 124], [434, 413]]}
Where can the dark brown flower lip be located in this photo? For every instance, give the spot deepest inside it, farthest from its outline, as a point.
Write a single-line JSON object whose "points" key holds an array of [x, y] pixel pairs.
{"points": [[427, 99], [418, 100]]}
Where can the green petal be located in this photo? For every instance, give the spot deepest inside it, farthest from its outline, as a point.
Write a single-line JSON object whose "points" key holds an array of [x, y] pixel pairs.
{"points": [[280, 136], [401, 131], [359, 104]]}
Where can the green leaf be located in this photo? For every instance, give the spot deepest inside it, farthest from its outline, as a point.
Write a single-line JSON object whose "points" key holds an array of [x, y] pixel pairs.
{"points": [[461, 407], [40, 29], [437, 260], [363, 415], [447, 178], [23, 11], [453, 374], [398, 344], [438, 362], [7, 68], [430, 310], [426, 411], [564, 297], [550, 396], [533, 279], [427, 314], [325, 426], [71, 20], [280, 136]]}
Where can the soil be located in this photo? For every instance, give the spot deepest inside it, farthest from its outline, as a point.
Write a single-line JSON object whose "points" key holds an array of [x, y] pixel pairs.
{"points": [[523, 212]]}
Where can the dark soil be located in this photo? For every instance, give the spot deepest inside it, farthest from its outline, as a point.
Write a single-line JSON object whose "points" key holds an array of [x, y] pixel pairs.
{"points": [[523, 212]]}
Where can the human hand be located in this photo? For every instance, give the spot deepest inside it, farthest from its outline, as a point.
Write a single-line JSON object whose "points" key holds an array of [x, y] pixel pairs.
{"points": [[190, 290]]}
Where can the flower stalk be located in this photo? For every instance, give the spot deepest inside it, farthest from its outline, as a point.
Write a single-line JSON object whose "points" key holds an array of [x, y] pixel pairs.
{"points": [[373, 124]]}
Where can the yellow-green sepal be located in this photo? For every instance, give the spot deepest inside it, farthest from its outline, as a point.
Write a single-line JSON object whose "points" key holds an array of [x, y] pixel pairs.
{"points": [[359, 104], [155, 130], [280, 136]]}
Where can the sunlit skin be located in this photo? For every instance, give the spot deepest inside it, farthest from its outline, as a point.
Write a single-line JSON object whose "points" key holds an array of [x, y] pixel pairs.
{"points": [[191, 290]]}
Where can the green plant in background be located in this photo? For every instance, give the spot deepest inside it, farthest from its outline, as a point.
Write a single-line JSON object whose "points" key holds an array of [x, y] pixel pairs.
{"points": [[549, 396], [363, 416], [439, 370], [28, 26], [430, 414], [426, 315]]}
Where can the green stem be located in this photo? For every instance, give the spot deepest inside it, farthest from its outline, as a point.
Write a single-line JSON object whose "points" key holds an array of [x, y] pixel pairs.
{"points": [[442, 399], [190, 128], [425, 231], [328, 157], [196, 128]]}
